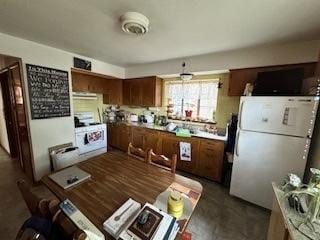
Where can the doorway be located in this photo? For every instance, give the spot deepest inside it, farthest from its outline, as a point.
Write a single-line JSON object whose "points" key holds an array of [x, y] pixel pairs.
{"points": [[14, 111]]}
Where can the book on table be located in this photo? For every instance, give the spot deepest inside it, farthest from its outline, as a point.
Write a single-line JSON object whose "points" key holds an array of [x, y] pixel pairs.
{"points": [[160, 225]]}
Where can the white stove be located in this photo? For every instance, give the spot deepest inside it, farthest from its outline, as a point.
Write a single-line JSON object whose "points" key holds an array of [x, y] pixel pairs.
{"points": [[92, 137]]}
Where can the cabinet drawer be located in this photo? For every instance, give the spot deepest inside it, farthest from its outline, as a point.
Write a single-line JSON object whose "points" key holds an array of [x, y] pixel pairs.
{"points": [[138, 129], [211, 143]]}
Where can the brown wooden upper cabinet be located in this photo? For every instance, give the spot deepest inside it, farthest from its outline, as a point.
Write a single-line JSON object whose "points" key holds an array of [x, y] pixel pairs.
{"points": [[144, 91], [110, 87], [240, 77]]}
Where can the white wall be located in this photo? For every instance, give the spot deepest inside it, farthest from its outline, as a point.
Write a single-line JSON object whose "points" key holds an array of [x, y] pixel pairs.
{"points": [[49, 132], [4, 142], [252, 57]]}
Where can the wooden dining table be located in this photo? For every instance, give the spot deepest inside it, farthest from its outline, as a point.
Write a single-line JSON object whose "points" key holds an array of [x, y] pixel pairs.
{"points": [[116, 177]]}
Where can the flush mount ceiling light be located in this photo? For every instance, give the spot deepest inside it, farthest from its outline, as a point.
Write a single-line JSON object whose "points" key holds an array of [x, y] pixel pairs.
{"points": [[134, 23], [185, 76]]}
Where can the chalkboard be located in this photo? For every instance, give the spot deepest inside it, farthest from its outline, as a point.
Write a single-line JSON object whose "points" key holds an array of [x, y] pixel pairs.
{"points": [[48, 92]]}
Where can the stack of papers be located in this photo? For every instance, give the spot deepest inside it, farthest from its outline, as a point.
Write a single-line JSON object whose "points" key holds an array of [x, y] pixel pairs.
{"points": [[167, 229], [120, 220]]}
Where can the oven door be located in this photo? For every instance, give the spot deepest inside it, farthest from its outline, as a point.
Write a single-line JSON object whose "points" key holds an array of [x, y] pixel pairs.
{"points": [[90, 141]]}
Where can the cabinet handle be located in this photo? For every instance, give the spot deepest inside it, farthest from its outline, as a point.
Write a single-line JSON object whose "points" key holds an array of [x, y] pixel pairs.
{"points": [[237, 144]]}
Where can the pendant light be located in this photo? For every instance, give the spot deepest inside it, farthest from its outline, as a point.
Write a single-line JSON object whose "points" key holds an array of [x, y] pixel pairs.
{"points": [[185, 76]]}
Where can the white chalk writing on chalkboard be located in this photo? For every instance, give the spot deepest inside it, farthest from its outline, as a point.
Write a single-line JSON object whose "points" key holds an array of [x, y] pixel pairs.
{"points": [[48, 92]]}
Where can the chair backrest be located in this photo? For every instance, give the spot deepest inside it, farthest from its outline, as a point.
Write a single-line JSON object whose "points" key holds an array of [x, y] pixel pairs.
{"points": [[137, 153], [49, 209], [30, 199], [162, 161]]}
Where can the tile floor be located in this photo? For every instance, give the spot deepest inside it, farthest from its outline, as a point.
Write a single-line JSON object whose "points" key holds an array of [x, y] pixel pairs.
{"points": [[218, 216]]}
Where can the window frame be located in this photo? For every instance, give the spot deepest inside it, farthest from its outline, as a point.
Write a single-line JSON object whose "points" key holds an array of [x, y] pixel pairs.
{"points": [[168, 82]]}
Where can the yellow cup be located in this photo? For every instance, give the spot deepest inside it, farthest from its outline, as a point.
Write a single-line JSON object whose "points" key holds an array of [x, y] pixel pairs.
{"points": [[175, 204]]}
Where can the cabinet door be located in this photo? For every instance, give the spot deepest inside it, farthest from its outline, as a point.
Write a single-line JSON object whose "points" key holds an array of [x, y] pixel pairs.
{"points": [[238, 80], [277, 227], [124, 137], [135, 93], [137, 138], [210, 162], [112, 91], [126, 92], [79, 84], [169, 145], [113, 137], [188, 166], [116, 92], [152, 141], [96, 85], [148, 91]]}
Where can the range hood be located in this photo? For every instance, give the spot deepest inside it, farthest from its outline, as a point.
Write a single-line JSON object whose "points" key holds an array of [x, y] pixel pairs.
{"points": [[84, 96]]}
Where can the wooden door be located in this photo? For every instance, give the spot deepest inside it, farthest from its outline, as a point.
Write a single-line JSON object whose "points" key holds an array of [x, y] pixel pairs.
{"points": [[210, 162], [135, 93], [126, 92], [9, 115], [21, 119], [152, 141], [137, 138]]}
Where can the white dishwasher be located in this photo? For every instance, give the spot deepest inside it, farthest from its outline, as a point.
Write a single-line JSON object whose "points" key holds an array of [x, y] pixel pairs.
{"points": [[91, 138]]}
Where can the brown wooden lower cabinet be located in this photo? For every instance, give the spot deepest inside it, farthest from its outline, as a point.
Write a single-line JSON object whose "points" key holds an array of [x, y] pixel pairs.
{"points": [[208, 151], [137, 137], [124, 137], [277, 227], [152, 140], [207, 155]]}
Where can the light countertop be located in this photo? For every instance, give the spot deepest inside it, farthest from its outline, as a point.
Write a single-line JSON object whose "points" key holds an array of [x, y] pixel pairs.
{"points": [[289, 215], [200, 134]]}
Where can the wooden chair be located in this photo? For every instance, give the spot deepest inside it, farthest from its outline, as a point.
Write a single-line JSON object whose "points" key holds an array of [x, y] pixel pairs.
{"points": [[137, 153], [49, 209], [162, 161]]}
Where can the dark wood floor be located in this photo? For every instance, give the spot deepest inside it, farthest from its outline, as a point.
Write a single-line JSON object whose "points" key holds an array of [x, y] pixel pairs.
{"points": [[218, 216]]}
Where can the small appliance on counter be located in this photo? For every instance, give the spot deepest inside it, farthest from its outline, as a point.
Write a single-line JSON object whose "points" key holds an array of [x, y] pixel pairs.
{"points": [[149, 118], [171, 127], [134, 118], [113, 114]]}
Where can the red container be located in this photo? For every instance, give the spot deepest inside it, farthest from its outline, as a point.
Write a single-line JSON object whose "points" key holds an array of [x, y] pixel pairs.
{"points": [[188, 113], [186, 236]]}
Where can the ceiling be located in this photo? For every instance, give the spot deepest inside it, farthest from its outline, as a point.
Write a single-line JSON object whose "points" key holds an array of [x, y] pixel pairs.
{"points": [[178, 28]]}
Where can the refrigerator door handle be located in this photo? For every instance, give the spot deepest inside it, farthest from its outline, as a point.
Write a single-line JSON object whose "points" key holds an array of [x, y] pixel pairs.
{"points": [[240, 115], [237, 144]]}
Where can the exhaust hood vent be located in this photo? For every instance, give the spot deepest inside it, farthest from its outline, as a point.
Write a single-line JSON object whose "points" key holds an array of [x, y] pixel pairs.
{"points": [[84, 96]]}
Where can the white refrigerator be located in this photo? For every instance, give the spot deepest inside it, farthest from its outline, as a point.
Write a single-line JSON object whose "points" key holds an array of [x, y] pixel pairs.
{"points": [[273, 139]]}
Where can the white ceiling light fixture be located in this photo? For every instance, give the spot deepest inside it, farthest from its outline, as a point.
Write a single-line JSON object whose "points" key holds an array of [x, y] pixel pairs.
{"points": [[185, 76], [134, 23]]}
